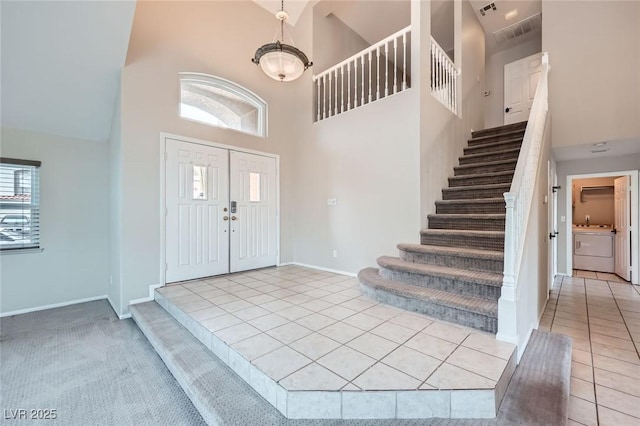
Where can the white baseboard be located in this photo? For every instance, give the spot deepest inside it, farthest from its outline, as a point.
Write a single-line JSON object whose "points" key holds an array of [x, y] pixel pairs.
{"points": [[124, 316], [152, 289], [55, 305], [320, 268]]}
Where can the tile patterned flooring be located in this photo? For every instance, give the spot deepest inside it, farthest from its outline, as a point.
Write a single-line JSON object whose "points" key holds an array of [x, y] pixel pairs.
{"points": [[601, 312], [314, 330]]}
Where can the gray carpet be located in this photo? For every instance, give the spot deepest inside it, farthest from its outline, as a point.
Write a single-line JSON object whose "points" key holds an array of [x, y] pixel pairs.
{"points": [[537, 395], [97, 370], [89, 366]]}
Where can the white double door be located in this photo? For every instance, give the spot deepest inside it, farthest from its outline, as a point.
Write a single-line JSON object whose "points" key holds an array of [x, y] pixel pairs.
{"points": [[221, 211]]}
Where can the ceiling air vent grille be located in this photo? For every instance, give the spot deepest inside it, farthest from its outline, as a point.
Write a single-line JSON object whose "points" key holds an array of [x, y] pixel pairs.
{"points": [[525, 26]]}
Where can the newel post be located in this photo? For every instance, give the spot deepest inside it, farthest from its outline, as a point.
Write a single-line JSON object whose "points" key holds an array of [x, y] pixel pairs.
{"points": [[507, 304]]}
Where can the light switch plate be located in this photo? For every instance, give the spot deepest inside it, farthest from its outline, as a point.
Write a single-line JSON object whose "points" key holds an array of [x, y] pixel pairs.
{"points": [[332, 201]]}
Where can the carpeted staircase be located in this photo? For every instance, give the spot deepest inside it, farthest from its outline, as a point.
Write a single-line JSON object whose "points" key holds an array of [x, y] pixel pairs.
{"points": [[455, 274]]}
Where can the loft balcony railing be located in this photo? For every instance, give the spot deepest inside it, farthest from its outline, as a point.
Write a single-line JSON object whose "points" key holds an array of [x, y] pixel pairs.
{"points": [[378, 71], [444, 77]]}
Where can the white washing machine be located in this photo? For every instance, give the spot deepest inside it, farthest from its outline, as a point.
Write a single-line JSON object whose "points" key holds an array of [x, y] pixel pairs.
{"points": [[593, 249]]}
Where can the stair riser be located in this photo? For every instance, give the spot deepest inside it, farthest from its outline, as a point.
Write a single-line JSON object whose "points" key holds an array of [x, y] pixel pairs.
{"points": [[462, 287], [499, 130], [470, 263], [465, 223], [479, 169], [480, 180], [482, 148], [489, 156], [486, 243], [470, 208], [470, 319], [466, 194], [495, 138]]}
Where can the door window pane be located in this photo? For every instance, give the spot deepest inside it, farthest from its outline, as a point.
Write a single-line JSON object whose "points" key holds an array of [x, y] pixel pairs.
{"points": [[254, 187], [199, 182]]}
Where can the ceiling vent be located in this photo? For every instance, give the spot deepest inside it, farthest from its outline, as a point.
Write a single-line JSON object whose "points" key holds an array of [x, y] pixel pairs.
{"points": [[523, 27], [483, 10]]}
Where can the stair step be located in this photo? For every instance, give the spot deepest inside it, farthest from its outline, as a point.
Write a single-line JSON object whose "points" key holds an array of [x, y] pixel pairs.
{"points": [[482, 284], [481, 205], [479, 222], [481, 179], [481, 314], [485, 157], [475, 191], [499, 129], [453, 257], [488, 167], [494, 146], [214, 389], [488, 240]]}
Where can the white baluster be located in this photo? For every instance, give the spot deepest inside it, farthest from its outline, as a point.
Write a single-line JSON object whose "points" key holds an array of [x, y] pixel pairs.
{"points": [[386, 69], [342, 89], [355, 83], [404, 63], [324, 96], [349, 87], [318, 112], [395, 65], [329, 113], [378, 73], [362, 82], [335, 110], [370, 94]]}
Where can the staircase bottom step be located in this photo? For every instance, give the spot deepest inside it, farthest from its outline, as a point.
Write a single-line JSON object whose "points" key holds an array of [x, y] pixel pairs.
{"points": [[481, 314]]}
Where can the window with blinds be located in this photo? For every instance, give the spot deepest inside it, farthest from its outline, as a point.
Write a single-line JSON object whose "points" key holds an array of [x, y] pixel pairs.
{"points": [[19, 204]]}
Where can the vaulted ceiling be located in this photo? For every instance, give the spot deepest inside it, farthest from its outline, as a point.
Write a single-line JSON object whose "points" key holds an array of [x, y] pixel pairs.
{"points": [[61, 63]]}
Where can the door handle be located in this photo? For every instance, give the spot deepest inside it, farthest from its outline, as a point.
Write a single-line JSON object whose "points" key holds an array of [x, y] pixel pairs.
{"points": [[234, 218], [614, 230], [225, 218], [507, 109], [552, 235]]}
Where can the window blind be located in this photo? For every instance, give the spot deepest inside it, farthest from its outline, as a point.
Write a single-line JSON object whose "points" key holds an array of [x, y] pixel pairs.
{"points": [[19, 204]]}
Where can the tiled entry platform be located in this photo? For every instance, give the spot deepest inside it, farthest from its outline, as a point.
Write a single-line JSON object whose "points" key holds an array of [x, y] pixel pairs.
{"points": [[313, 346]]}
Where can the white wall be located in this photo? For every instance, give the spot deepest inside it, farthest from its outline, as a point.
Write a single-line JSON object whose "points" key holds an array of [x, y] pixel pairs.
{"points": [[494, 103], [217, 38], [443, 135], [594, 83], [74, 223], [575, 167], [599, 204]]}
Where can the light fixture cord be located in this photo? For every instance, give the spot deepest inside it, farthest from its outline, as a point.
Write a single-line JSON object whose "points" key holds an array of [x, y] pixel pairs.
{"points": [[282, 22]]}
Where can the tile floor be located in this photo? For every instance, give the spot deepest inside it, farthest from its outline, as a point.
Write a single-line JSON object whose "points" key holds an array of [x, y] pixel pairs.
{"points": [[602, 314], [313, 330]]}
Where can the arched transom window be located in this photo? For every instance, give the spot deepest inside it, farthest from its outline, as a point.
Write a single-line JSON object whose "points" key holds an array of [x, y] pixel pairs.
{"points": [[222, 103]]}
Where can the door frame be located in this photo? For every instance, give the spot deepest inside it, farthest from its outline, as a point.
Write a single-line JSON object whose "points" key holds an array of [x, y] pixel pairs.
{"points": [[635, 218], [162, 199]]}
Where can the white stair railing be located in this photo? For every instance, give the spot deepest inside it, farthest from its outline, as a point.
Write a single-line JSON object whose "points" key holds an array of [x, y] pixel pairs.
{"points": [[444, 77], [519, 202], [376, 72]]}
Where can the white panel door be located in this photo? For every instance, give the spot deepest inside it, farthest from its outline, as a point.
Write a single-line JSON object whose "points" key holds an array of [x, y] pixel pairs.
{"points": [[621, 224], [520, 83], [197, 199], [253, 193]]}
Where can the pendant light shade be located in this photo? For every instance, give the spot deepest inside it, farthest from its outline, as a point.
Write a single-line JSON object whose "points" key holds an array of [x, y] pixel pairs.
{"points": [[280, 61]]}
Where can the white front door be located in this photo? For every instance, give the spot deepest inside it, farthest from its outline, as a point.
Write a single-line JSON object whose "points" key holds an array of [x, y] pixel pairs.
{"points": [[622, 215], [520, 83], [197, 194], [253, 211]]}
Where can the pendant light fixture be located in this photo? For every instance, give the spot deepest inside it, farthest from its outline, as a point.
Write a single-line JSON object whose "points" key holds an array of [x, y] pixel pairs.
{"points": [[280, 61]]}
